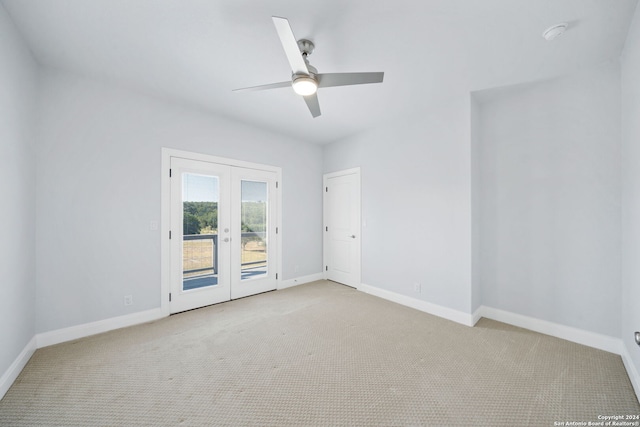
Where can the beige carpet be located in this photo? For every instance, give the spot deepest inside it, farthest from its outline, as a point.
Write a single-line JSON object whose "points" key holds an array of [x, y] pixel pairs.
{"points": [[317, 354]]}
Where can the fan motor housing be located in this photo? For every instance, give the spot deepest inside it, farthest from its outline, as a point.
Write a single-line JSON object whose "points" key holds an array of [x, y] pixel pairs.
{"points": [[306, 46]]}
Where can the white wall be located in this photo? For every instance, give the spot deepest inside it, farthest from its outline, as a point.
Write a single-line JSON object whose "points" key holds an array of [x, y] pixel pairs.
{"points": [[415, 203], [550, 199], [18, 86], [476, 182], [99, 154], [631, 192]]}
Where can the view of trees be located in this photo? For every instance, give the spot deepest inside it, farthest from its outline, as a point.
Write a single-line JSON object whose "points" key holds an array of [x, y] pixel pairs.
{"points": [[254, 216], [202, 217]]}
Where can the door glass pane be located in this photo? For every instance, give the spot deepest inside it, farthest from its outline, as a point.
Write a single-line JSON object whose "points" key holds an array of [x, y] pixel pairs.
{"points": [[254, 228], [200, 196]]}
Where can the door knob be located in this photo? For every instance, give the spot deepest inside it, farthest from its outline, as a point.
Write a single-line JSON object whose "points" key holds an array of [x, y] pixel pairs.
{"points": [[226, 239], [353, 236]]}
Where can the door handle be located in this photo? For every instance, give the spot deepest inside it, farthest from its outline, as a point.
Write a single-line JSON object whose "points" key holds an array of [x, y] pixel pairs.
{"points": [[353, 236]]}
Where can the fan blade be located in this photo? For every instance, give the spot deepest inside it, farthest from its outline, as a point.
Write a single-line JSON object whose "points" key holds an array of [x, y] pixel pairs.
{"points": [[313, 104], [290, 45], [264, 87], [346, 79]]}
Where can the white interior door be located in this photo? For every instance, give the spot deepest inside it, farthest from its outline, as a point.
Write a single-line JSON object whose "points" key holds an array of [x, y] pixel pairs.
{"points": [[223, 233], [342, 227]]}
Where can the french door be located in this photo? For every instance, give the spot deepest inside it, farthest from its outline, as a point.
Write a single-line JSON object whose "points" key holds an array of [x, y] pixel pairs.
{"points": [[223, 233]]}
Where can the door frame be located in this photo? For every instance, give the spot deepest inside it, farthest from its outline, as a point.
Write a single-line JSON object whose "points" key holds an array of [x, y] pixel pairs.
{"points": [[165, 213], [325, 235]]}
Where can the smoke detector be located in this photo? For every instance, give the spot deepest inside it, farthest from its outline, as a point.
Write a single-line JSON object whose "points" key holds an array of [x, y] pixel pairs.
{"points": [[554, 31]]}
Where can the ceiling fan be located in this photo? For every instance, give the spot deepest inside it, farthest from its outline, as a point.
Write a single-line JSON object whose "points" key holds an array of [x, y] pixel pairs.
{"points": [[305, 78]]}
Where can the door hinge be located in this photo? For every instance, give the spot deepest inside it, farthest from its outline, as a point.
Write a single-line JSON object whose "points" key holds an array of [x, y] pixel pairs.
{"points": [[169, 173], [326, 229], [326, 189], [276, 276], [169, 234], [276, 230], [169, 296], [326, 268], [276, 184]]}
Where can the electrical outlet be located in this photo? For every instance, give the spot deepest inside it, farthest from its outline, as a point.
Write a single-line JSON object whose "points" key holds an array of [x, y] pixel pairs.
{"points": [[417, 287], [128, 300]]}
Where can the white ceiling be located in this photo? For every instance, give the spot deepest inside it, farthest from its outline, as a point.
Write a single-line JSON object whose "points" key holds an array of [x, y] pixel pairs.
{"points": [[197, 51]]}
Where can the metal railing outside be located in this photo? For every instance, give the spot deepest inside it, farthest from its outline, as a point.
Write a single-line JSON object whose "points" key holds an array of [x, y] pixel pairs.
{"points": [[214, 251], [260, 235]]}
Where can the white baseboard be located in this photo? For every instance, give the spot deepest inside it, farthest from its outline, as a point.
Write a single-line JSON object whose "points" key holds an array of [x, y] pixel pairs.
{"points": [[476, 315], [631, 370], [80, 331], [16, 367], [569, 333], [299, 280], [435, 309]]}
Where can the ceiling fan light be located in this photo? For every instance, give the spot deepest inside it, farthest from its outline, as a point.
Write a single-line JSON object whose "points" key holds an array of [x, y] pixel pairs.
{"points": [[305, 86]]}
